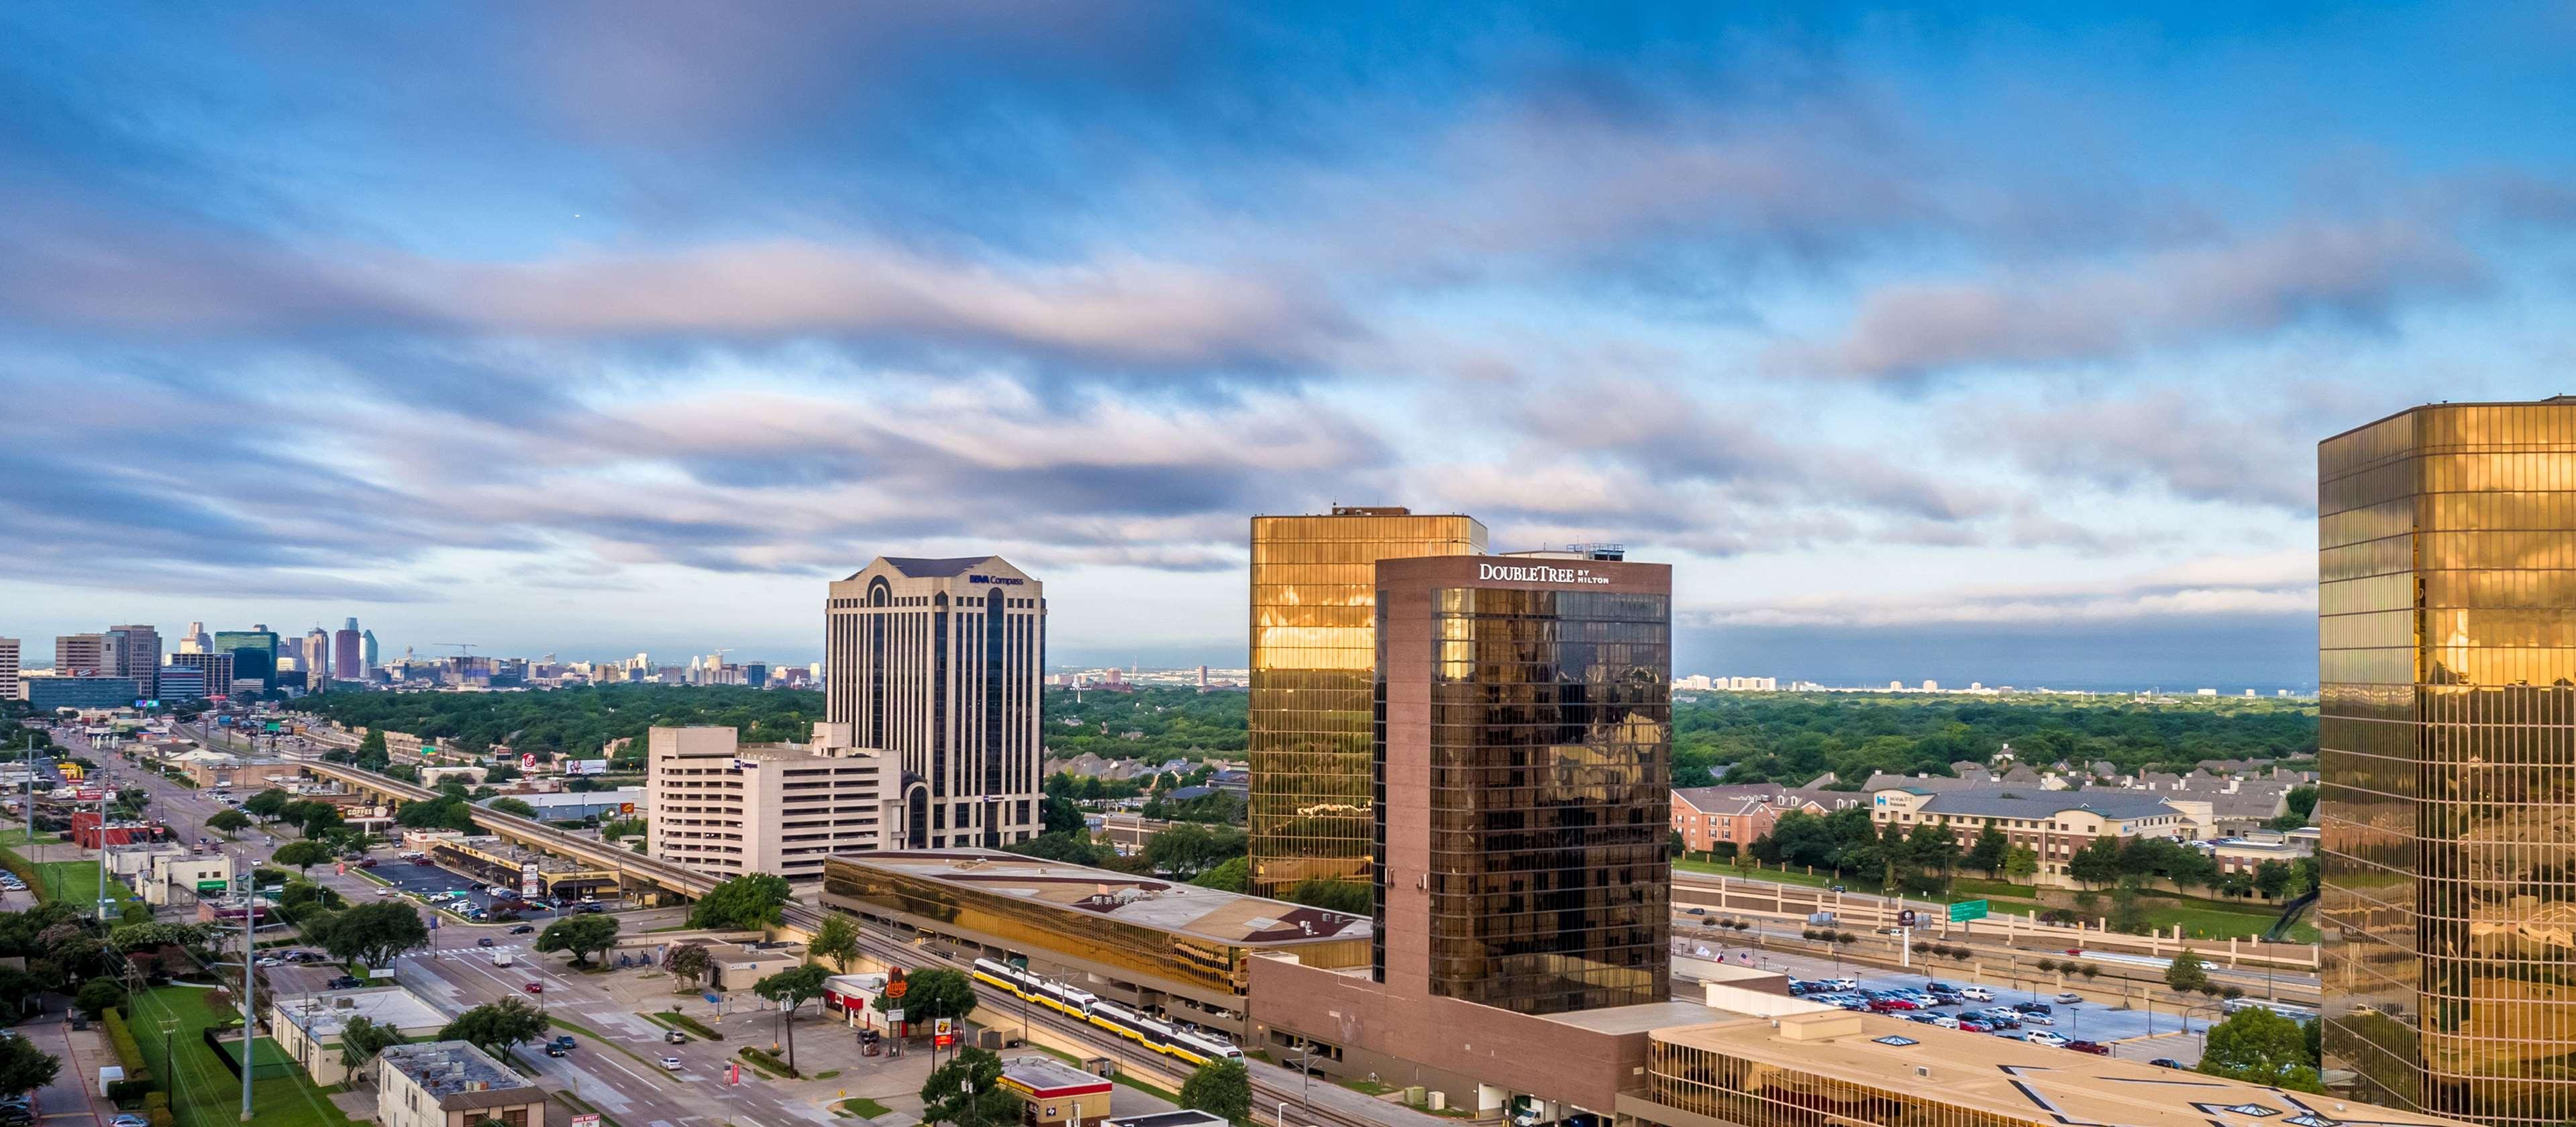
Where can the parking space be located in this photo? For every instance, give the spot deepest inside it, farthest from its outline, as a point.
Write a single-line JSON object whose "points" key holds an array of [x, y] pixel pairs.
{"points": [[432, 881]]}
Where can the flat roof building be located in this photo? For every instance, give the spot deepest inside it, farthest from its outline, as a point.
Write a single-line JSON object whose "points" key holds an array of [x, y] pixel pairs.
{"points": [[2053, 824], [1314, 651], [1802, 1070], [938, 663], [727, 808], [308, 1026], [452, 1084], [1054, 1092]]}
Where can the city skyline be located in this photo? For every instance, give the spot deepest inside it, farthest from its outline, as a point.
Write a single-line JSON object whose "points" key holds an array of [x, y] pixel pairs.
{"points": [[1982, 336]]}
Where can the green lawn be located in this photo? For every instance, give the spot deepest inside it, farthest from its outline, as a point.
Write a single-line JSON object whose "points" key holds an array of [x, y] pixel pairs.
{"points": [[73, 881], [2200, 918], [203, 1093], [864, 1107]]}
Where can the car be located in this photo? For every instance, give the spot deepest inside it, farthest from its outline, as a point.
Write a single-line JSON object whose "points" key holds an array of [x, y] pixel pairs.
{"points": [[2044, 1037], [2038, 1019], [366, 862], [486, 941], [1842, 984], [129, 1120], [2094, 1047], [345, 982], [593, 909], [1838, 888], [1855, 1005], [1699, 911], [1886, 1005], [1945, 1021], [2069, 998], [1941, 988], [1972, 1025], [671, 1063], [522, 929], [2168, 1062], [1976, 993], [388, 892], [2033, 1008], [675, 1037], [534, 988], [2009, 1035], [556, 1051], [1924, 1018]]}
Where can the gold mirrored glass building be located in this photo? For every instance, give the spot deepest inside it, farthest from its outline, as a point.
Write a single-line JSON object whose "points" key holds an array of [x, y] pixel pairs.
{"points": [[2447, 655], [1314, 660]]}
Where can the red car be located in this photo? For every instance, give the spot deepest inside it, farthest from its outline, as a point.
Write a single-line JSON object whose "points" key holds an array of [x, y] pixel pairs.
{"points": [[536, 988], [1973, 1026], [2094, 1047], [1889, 1005]]}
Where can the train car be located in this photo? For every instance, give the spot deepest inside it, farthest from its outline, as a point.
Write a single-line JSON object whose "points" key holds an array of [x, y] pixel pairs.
{"points": [[1196, 1048]]}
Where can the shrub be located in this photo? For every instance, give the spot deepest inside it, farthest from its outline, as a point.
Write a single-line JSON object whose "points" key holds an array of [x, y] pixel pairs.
{"points": [[762, 1058], [161, 1117], [1960, 954], [121, 1040], [2090, 971], [127, 1092], [1923, 947], [691, 1024], [155, 1100], [1741, 925], [2047, 965]]}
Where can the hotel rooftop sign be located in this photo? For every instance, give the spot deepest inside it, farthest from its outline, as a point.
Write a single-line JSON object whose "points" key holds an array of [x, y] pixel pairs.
{"points": [[1537, 573]]}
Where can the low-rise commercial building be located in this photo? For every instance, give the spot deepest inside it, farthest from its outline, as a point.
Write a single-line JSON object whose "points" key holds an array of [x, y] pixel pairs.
{"points": [[2052, 824], [308, 1026], [183, 877], [90, 831], [452, 1084], [1809, 1070], [1053, 1092], [727, 808]]}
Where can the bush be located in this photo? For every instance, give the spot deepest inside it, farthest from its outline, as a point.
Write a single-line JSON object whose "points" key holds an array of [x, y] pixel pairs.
{"points": [[764, 1060], [121, 1040], [691, 1024], [155, 1100], [161, 1117], [127, 1092]]}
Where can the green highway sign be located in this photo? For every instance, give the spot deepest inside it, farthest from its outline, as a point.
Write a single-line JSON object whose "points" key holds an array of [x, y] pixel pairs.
{"points": [[1966, 910], [215, 886]]}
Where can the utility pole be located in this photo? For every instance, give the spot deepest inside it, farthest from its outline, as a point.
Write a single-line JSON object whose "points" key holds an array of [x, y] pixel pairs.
{"points": [[250, 914], [102, 856]]}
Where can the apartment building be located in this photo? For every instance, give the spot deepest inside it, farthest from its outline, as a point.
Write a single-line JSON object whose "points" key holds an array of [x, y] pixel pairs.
{"points": [[8, 668], [2052, 824], [728, 808], [452, 1084], [1740, 814]]}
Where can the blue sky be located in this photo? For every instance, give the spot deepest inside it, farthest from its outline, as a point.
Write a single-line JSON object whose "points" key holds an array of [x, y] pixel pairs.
{"points": [[1964, 342]]}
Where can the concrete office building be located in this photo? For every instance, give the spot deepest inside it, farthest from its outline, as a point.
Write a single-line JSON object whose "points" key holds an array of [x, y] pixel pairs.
{"points": [[1314, 648], [254, 653], [728, 808], [316, 660], [215, 670], [195, 640], [367, 653], [46, 694], [81, 655], [135, 651], [308, 1027], [179, 683], [2446, 598], [452, 1084], [938, 664], [346, 658], [8, 668]]}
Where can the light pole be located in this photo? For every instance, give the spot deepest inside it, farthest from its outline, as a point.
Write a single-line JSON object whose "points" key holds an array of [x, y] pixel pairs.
{"points": [[250, 916]]}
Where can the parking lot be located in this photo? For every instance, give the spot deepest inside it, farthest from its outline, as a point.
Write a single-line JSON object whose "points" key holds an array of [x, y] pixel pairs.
{"points": [[2125, 1030], [428, 880]]}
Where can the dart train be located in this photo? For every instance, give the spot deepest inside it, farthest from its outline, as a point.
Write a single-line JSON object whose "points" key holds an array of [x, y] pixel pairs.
{"points": [[1083, 1005]]}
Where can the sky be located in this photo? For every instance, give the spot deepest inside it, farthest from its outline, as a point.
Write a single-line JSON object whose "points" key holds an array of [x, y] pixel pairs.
{"points": [[1964, 342]]}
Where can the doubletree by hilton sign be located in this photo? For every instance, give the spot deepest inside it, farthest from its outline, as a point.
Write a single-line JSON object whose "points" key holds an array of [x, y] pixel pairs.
{"points": [[1538, 573]]}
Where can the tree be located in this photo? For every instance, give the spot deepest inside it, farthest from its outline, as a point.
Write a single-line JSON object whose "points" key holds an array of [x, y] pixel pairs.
{"points": [[24, 1067], [2185, 973], [2021, 864], [1233, 876], [1333, 895], [2271, 878], [227, 822], [752, 900], [266, 804], [1934, 849], [511, 806], [497, 1027], [579, 935], [302, 854], [1220, 1087], [156, 935], [501, 773], [2128, 910], [372, 933], [2254, 1044], [1990, 851], [837, 940], [99, 995], [932, 994], [1060, 815], [2302, 802], [1187, 849], [361, 1039], [688, 963], [791, 989], [968, 1091], [2097, 863]]}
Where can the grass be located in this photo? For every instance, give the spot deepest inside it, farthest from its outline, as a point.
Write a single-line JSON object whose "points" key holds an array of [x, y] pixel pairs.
{"points": [[203, 1093], [861, 1106], [683, 1022], [826, 1074], [745, 1055], [2199, 917], [74, 881], [593, 1034], [1366, 1087]]}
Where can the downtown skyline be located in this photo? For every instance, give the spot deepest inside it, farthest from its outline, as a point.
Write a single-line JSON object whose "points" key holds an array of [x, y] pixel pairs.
{"points": [[1922, 347]]}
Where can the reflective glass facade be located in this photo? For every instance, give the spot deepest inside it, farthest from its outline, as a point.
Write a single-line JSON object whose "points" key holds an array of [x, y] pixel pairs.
{"points": [[2447, 656], [1314, 647], [1549, 757]]}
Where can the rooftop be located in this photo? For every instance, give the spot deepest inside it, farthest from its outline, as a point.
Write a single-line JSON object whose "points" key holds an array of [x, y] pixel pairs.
{"points": [[2018, 1081], [323, 1015], [1044, 1074], [2031, 802], [450, 1068], [1223, 917], [1166, 1119], [934, 569]]}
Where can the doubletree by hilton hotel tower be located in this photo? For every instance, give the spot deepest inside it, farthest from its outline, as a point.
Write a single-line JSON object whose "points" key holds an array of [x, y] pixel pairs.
{"points": [[2447, 655]]}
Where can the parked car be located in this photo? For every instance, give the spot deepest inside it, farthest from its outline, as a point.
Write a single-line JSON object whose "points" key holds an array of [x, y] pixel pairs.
{"points": [[1945, 1021], [129, 1120], [2168, 1062], [1976, 993], [345, 982], [2069, 998], [2037, 1019], [2033, 1007], [593, 908], [1842, 984], [1972, 1025], [2044, 1037], [2094, 1047]]}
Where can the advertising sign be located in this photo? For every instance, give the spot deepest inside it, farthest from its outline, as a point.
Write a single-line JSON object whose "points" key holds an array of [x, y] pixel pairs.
{"points": [[585, 1121], [527, 761], [1905, 918], [585, 766], [626, 808], [943, 1034]]}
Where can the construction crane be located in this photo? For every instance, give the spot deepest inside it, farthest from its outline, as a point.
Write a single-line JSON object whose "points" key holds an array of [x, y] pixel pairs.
{"points": [[463, 649]]}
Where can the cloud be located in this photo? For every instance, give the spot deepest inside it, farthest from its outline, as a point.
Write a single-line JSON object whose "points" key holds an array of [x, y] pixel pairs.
{"points": [[2357, 273], [2216, 445], [2216, 587]]}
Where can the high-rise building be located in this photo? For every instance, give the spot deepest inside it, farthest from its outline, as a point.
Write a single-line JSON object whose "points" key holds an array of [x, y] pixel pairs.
{"points": [[2446, 596], [937, 663], [135, 651], [196, 640], [346, 661], [215, 669], [1522, 760], [729, 808], [80, 655], [1314, 654], [367, 653], [254, 653], [317, 660], [179, 683], [8, 668]]}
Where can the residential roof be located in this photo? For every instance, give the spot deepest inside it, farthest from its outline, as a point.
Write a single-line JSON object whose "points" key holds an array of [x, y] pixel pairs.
{"points": [[1172, 906], [2006, 1081], [2011, 802]]}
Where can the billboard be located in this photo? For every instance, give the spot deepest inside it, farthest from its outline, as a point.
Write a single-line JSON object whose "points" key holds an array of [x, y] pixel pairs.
{"points": [[585, 766]]}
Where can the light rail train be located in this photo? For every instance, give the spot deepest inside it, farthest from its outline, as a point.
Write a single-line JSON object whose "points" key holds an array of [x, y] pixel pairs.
{"points": [[1196, 1048]]}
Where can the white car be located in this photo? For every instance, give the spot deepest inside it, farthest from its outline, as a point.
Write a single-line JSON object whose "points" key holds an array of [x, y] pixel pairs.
{"points": [[1945, 1021], [2037, 1019], [2044, 1037], [1842, 984], [671, 1063], [1976, 993]]}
